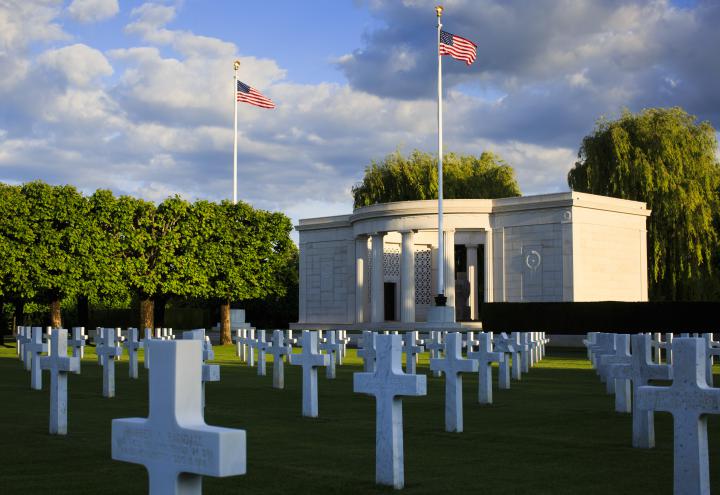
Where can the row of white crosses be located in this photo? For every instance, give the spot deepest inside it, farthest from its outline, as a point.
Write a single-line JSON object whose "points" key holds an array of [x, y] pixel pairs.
{"points": [[689, 398]]}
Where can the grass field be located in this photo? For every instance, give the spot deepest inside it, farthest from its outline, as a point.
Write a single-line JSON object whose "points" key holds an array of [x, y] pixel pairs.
{"points": [[554, 432]]}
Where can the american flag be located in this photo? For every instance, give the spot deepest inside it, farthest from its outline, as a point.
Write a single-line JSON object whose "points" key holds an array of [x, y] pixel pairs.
{"points": [[457, 47], [253, 96]]}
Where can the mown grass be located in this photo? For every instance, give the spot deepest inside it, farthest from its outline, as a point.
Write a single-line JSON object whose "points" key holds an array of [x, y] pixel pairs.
{"points": [[554, 432]]}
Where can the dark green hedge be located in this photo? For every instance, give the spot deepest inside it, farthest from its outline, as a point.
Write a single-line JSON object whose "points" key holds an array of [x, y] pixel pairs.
{"points": [[574, 318]]}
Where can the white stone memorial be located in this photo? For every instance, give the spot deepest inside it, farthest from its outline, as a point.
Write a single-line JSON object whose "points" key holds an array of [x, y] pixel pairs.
{"points": [[434, 345], [210, 372], [310, 359], [332, 349], [485, 357], [520, 349], [689, 399], [34, 349], [640, 371], [387, 383], [278, 349], [174, 443], [453, 365], [132, 344], [77, 343], [605, 347], [261, 346], [367, 353], [502, 343], [59, 364], [411, 348], [622, 386], [108, 351]]}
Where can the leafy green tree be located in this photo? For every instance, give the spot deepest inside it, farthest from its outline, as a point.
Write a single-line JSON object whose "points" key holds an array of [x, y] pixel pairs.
{"points": [[400, 178], [667, 159], [243, 254], [56, 217], [15, 236], [156, 253]]}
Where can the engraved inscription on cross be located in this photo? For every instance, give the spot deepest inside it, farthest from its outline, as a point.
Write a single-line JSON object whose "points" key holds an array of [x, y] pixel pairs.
{"points": [[387, 383], [174, 443], [689, 399]]}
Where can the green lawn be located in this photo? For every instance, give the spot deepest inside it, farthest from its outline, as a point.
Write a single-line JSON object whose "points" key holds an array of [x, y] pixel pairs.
{"points": [[554, 432]]}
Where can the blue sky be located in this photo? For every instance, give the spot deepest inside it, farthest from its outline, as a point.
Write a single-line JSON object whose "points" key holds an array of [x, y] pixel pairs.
{"points": [[135, 96]]}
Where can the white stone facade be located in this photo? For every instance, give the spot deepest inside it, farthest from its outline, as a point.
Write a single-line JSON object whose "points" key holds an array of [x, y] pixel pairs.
{"points": [[377, 268]]}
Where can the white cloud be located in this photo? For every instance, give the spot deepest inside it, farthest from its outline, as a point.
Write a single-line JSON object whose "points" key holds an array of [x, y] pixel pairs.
{"points": [[93, 10], [80, 64]]}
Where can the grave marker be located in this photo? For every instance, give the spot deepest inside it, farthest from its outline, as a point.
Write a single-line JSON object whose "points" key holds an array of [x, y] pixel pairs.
{"points": [[59, 364], [502, 343], [132, 345], [367, 353], [434, 345], [387, 382], [485, 356], [34, 349], [174, 443], [108, 351], [77, 343], [146, 340], [689, 399], [411, 349], [261, 347], [452, 365], [310, 360], [278, 349], [332, 348], [640, 371], [623, 392]]}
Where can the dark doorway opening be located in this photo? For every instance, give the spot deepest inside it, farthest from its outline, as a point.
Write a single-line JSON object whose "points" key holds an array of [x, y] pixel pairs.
{"points": [[390, 301]]}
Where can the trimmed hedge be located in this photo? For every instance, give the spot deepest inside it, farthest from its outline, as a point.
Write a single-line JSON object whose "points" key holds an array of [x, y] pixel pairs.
{"points": [[576, 318]]}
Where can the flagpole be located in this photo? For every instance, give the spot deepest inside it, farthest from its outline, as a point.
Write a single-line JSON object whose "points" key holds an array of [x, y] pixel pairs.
{"points": [[236, 65], [440, 299]]}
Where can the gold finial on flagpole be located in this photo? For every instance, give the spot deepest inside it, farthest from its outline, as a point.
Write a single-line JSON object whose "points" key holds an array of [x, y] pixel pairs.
{"points": [[237, 64], [439, 10]]}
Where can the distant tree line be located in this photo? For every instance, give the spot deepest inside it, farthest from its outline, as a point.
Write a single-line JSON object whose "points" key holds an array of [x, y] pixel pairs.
{"points": [[58, 245]]}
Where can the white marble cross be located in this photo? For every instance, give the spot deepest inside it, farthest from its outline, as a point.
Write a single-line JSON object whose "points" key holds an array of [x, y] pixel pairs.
{"points": [[250, 344], [623, 394], [34, 349], [19, 341], [278, 349], [689, 399], [589, 342], [98, 341], [527, 350], [77, 344], [174, 443], [411, 348], [605, 347], [434, 345], [452, 365], [713, 349], [210, 372], [237, 338], [485, 357], [262, 346], [640, 371], [502, 343], [310, 360], [387, 382], [59, 364], [289, 339], [520, 350], [25, 356], [107, 350], [132, 345], [367, 353], [332, 349], [343, 340]]}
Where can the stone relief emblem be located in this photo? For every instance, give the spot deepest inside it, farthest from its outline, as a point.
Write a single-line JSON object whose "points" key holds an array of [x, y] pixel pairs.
{"points": [[533, 260]]}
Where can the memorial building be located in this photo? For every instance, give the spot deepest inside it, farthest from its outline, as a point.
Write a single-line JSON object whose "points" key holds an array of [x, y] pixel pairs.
{"points": [[377, 267]]}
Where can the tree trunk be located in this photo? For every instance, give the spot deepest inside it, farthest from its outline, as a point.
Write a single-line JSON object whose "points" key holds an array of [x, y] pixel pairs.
{"points": [[159, 311], [225, 337], [55, 314], [83, 311], [19, 316], [147, 308]]}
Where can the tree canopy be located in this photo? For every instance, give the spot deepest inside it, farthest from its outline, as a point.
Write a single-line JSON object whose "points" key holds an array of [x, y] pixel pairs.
{"points": [[667, 159], [401, 178], [57, 244]]}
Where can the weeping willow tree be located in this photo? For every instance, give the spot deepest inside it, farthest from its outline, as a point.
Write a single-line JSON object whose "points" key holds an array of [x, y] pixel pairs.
{"points": [[401, 178], [667, 159]]}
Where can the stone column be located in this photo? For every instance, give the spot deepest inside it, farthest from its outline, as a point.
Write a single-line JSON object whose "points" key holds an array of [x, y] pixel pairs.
{"points": [[450, 267], [302, 291], [361, 281], [489, 286], [472, 263], [377, 305], [407, 277]]}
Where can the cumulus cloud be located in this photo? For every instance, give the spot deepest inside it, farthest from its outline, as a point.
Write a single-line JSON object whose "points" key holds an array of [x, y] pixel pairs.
{"points": [[93, 10], [79, 64]]}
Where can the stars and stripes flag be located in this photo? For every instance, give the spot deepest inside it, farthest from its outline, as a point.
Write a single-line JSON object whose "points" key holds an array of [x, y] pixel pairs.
{"points": [[457, 47], [251, 95]]}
